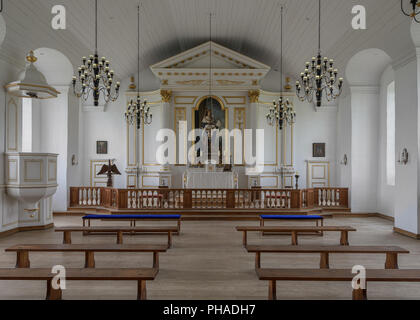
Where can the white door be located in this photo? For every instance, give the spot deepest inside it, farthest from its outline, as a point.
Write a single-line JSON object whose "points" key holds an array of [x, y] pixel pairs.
{"points": [[95, 167], [318, 174]]}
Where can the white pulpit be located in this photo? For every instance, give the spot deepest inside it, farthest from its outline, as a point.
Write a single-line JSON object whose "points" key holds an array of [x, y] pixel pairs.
{"points": [[210, 180]]}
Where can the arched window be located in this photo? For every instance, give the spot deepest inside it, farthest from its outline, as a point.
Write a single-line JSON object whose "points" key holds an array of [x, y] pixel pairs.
{"points": [[390, 135]]}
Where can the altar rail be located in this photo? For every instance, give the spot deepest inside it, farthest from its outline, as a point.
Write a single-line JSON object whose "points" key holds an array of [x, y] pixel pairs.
{"points": [[120, 199]]}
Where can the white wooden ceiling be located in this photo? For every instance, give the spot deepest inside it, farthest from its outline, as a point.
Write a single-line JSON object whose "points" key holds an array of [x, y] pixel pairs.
{"points": [[169, 27]]}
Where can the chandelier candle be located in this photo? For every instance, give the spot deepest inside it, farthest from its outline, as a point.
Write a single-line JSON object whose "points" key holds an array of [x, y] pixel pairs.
{"points": [[138, 112], [415, 9], [95, 75], [281, 112], [319, 78]]}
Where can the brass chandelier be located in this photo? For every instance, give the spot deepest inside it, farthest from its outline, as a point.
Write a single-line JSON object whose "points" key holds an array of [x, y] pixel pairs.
{"points": [[415, 9], [95, 75], [319, 78], [282, 111], [138, 112]]}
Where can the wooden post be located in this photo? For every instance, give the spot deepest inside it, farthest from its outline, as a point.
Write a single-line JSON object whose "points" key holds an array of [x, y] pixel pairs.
{"points": [[257, 260], [22, 259], [53, 294], [187, 199], [67, 237], [359, 294], [89, 259], [156, 260], [295, 199], [344, 198], [169, 239], [179, 227], [74, 196], [119, 237], [261, 225], [141, 290], [230, 199], [310, 198], [244, 239], [272, 290], [325, 261], [391, 261], [294, 238], [344, 241], [122, 199]]}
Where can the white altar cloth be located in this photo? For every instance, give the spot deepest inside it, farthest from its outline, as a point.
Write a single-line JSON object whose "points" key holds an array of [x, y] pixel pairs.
{"points": [[210, 180]]}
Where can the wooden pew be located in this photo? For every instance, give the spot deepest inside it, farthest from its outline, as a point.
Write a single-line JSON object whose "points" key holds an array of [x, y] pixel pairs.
{"points": [[331, 275], [391, 252], [22, 251], [118, 230], [319, 220], [139, 275], [294, 230], [132, 218]]}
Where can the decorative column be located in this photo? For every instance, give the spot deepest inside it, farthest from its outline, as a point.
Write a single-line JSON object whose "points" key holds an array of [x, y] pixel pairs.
{"points": [[254, 96], [165, 178], [166, 102]]}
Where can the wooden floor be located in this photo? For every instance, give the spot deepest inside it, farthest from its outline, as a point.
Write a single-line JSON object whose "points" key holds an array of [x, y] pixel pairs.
{"points": [[209, 262]]}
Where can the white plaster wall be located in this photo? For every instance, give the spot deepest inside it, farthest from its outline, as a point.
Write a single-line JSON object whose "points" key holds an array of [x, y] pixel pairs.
{"points": [[344, 141], [364, 115], [104, 126], [406, 192], [314, 127], [54, 139], [386, 193], [74, 172]]}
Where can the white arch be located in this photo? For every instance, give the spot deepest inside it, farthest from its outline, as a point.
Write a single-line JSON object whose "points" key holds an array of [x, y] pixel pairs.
{"points": [[2, 29], [365, 68], [55, 66]]}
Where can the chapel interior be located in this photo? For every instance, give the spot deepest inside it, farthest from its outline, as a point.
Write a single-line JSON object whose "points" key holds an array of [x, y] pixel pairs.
{"points": [[210, 149]]}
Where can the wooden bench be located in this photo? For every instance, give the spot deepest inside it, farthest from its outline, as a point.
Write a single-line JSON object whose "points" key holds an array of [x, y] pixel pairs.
{"points": [[22, 251], [294, 230], [139, 275], [319, 220], [133, 218], [391, 252], [117, 230], [331, 275]]}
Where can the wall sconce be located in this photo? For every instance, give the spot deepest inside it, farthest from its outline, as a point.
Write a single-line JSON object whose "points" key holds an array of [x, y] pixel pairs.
{"points": [[74, 161], [404, 157], [345, 160]]}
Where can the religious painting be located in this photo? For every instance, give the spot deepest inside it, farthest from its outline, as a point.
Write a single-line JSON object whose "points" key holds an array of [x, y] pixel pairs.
{"points": [[318, 150], [210, 114], [102, 147]]}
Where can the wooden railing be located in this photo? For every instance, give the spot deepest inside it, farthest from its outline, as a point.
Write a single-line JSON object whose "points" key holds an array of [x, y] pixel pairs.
{"points": [[209, 199]]}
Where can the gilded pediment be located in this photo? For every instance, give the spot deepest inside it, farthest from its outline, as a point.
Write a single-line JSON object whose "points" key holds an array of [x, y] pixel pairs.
{"points": [[192, 68]]}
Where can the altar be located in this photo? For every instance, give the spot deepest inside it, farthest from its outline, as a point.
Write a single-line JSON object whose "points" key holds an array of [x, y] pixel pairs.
{"points": [[210, 180]]}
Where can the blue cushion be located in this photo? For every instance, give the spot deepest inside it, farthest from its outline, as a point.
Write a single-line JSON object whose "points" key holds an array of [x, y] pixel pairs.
{"points": [[132, 216], [292, 217]]}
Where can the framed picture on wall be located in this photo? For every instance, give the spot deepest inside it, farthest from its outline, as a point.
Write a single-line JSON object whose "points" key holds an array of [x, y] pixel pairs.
{"points": [[318, 150], [102, 147]]}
